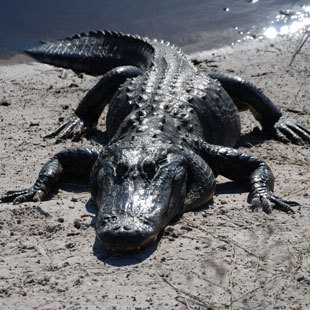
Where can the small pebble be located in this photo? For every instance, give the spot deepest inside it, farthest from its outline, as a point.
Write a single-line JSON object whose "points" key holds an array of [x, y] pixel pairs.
{"points": [[4, 103], [77, 224]]}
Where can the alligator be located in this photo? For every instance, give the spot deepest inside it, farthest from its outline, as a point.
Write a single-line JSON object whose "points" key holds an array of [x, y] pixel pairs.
{"points": [[171, 131]]}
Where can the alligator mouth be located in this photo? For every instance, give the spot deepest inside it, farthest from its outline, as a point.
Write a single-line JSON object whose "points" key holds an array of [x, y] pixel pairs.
{"points": [[129, 247], [120, 237], [145, 243]]}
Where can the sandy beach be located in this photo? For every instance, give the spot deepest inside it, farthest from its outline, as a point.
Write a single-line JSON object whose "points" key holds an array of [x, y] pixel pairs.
{"points": [[222, 257]]}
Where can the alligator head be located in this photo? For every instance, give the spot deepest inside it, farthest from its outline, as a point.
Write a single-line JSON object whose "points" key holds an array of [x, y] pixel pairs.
{"points": [[138, 191]]}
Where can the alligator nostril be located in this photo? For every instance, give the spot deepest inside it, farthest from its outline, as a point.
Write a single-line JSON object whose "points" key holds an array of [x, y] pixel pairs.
{"points": [[116, 227], [149, 169], [126, 227], [146, 222]]}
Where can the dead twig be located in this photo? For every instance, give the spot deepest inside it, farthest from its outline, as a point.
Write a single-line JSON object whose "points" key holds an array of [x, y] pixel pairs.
{"points": [[251, 292], [297, 96], [212, 283], [298, 258], [198, 300], [222, 238], [184, 302], [305, 36], [231, 278]]}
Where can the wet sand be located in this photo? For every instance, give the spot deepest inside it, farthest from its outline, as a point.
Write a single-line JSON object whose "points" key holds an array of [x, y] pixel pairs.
{"points": [[222, 257]]}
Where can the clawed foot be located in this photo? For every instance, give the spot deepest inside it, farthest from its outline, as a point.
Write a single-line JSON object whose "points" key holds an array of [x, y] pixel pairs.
{"points": [[74, 127], [288, 131], [268, 201], [30, 194]]}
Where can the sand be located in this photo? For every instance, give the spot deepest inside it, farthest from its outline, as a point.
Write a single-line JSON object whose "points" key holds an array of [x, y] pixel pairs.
{"points": [[221, 257]]}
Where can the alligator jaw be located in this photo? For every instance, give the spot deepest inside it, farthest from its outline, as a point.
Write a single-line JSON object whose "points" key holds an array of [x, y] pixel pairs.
{"points": [[120, 244], [145, 243]]}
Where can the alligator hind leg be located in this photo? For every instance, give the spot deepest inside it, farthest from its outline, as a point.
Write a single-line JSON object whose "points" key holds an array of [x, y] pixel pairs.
{"points": [[246, 96], [68, 162], [86, 115], [241, 167]]}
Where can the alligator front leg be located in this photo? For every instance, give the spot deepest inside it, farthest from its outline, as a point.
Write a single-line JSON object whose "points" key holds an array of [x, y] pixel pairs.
{"points": [[86, 116], [247, 96], [241, 167], [72, 161]]}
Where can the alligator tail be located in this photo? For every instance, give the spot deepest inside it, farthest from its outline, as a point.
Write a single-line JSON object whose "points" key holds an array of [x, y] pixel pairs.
{"points": [[95, 53]]}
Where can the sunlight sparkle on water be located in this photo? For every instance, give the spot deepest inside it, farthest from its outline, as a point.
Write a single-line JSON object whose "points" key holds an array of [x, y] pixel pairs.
{"points": [[301, 21], [284, 30], [271, 33], [307, 9]]}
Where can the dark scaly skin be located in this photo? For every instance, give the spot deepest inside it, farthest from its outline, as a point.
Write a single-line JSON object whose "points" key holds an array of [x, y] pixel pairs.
{"points": [[171, 131]]}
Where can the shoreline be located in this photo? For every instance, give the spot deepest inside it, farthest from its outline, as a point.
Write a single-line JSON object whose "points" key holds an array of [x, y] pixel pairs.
{"points": [[199, 55], [16, 59], [225, 255]]}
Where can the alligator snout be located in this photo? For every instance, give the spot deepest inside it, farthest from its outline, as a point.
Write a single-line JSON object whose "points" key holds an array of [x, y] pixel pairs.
{"points": [[123, 235]]}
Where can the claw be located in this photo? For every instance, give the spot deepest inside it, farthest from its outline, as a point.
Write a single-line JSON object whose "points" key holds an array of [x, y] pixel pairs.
{"points": [[268, 201], [18, 196], [301, 131], [39, 195], [56, 132], [307, 131], [281, 137], [261, 202], [290, 202], [291, 135], [78, 132], [67, 131], [287, 131], [74, 127], [283, 205], [20, 199]]}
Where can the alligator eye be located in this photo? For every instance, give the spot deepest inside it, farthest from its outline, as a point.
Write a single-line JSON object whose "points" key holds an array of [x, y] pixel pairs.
{"points": [[149, 169], [121, 171]]}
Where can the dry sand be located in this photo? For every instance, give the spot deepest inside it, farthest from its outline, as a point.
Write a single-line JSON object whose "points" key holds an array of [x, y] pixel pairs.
{"points": [[222, 257]]}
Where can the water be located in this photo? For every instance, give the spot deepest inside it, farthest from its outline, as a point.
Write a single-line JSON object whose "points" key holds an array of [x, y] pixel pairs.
{"points": [[194, 25]]}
